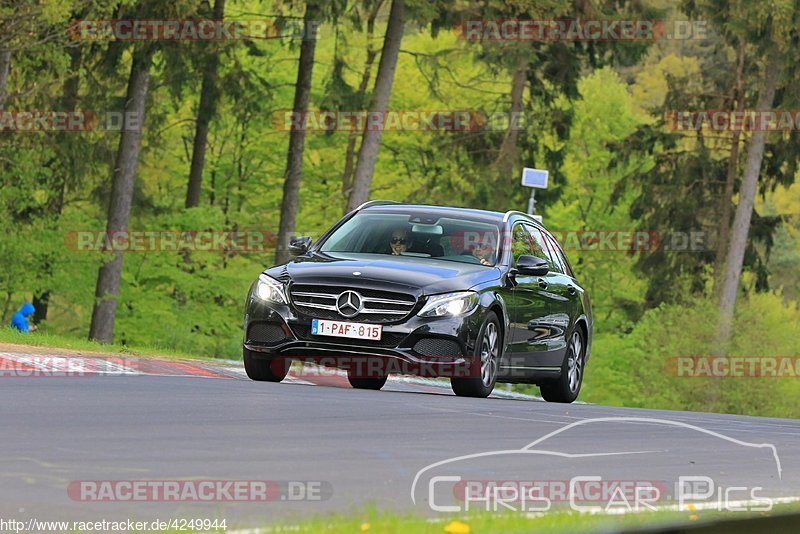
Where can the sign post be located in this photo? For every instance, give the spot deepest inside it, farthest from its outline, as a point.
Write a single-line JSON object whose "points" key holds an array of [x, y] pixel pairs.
{"points": [[535, 179]]}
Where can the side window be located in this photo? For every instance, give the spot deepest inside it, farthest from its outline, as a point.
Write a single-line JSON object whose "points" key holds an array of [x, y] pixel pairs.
{"points": [[552, 250], [520, 243], [541, 247], [558, 252]]}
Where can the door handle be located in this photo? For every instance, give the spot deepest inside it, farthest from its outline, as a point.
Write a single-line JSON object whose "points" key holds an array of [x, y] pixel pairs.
{"points": [[571, 289], [542, 283]]}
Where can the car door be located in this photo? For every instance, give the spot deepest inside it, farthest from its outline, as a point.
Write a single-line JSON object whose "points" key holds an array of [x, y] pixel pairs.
{"points": [[545, 345], [562, 288], [530, 308]]}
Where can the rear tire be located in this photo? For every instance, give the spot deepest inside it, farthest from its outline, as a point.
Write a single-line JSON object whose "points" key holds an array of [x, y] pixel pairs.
{"points": [[488, 349], [568, 385], [263, 370]]}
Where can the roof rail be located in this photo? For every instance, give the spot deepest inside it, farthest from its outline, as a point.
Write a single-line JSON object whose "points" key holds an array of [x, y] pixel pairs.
{"points": [[528, 217], [509, 213], [371, 203]]}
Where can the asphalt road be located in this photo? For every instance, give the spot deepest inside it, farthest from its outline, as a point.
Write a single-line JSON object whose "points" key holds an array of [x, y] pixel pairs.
{"points": [[350, 447]]}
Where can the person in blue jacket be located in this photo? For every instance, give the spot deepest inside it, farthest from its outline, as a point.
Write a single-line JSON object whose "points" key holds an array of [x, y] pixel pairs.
{"points": [[20, 319]]}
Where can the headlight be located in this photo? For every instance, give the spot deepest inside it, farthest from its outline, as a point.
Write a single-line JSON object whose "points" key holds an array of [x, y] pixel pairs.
{"points": [[458, 303], [270, 290]]}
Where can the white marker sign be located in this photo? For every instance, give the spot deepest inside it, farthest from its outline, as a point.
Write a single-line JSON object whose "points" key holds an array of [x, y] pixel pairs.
{"points": [[534, 178]]}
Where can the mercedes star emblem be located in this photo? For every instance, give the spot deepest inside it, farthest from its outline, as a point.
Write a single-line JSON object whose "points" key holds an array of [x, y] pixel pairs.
{"points": [[349, 303]]}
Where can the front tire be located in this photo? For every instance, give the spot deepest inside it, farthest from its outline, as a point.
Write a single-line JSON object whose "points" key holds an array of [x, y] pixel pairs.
{"points": [[568, 385], [360, 382], [263, 370], [487, 353]]}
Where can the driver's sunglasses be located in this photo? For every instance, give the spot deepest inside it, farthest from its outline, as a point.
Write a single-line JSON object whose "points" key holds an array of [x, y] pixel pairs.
{"points": [[399, 241]]}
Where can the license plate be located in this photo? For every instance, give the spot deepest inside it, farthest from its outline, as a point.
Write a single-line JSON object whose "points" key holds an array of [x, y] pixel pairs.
{"points": [[321, 327]]}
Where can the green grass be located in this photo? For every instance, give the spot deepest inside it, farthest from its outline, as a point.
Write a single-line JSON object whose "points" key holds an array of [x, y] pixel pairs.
{"points": [[60, 341], [565, 521]]}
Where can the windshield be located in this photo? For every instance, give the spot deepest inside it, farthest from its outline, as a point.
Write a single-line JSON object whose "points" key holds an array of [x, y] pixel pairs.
{"points": [[397, 234]]}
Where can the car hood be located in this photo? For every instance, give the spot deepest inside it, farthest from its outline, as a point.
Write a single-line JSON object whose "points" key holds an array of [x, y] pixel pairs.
{"points": [[420, 276]]}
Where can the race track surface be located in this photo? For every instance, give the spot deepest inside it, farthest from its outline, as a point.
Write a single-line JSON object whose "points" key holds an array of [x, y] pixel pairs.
{"points": [[182, 421]]}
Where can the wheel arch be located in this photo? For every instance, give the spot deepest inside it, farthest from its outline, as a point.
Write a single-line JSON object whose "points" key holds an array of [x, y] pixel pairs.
{"points": [[582, 322], [496, 303]]}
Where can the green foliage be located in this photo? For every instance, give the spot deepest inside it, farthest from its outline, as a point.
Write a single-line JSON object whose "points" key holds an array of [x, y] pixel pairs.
{"points": [[605, 114], [639, 369]]}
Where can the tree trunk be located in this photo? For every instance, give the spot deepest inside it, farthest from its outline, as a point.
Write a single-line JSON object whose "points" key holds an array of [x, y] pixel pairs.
{"points": [[5, 64], [370, 143], [40, 301], [7, 307], [352, 139], [744, 210], [733, 167], [507, 155], [69, 101], [209, 94], [290, 204], [119, 207]]}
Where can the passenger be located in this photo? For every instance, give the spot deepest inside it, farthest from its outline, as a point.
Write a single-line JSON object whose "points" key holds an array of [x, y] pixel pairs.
{"points": [[484, 251], [399, 242]]}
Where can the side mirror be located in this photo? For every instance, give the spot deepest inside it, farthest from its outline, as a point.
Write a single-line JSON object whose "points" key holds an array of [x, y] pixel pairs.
{"points": [[532, 265], [299, 245]]}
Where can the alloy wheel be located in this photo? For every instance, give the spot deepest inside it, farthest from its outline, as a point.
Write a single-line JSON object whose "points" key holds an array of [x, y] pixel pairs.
{"points": [[575, 362], [489, 350]]}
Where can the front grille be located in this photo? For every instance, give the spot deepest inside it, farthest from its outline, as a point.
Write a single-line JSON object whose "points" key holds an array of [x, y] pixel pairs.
{"points": [[433, 347], [378, 306], [265, 333], [388, 339]]}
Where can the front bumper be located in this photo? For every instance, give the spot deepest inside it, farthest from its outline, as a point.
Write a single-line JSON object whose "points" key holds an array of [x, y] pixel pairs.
{"points": [[436, 345]]}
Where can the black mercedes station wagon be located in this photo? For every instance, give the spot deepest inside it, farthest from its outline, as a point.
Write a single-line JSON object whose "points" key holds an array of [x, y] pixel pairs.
{"points": [[476, 296]]}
